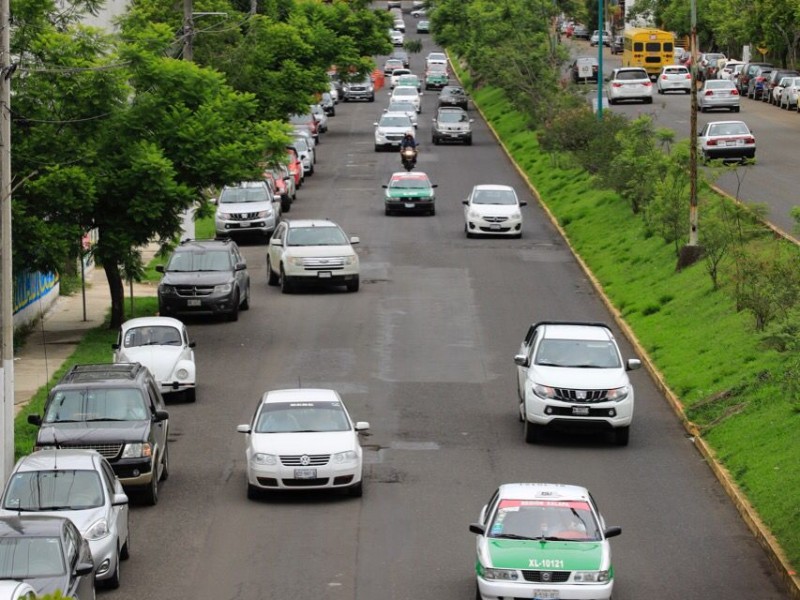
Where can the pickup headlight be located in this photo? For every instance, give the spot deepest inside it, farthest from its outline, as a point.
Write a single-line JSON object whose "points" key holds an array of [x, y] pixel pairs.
{"points": [[265, 213], [343, 457], [350, 260], [138, 450], [499, 574], [97, 531], [544, 391], [265, 459], [224, 288], [296, 261], [619, 394], [590, 576]]}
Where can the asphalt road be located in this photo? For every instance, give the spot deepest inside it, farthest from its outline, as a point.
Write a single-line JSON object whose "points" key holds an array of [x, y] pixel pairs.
{"points": [[424, 353], [773, 181]]}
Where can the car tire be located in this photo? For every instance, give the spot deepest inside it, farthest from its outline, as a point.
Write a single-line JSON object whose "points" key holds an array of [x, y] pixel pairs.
{"points": [[532, 432], [703, 109], [478, 593], [125, 551], [468, 141], [190, 395], [353, 284], [272, 278], [286, 204], [387, 212], [611, 101], [357, 490], [372, 98], [518, 236], [467, 232], [286, 285], [311, 170], [246, 304], [253, 493], [622, 435], [165, 465], [151, 493], [377, 148], [660, 91], [735, 109], [112, 583], [233, 315], [648, 100], [432, 211]]}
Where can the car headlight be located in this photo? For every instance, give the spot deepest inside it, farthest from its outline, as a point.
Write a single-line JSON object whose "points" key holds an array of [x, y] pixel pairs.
{"points": [[516, 215], [166, 290], [590, 576], [98, 530], [182, 374], [138, 450], [223, 288], [544, 391], [265, 213], [296, 261], [474, 214], [343, 457], [265, 459], [618, 394], [350, 260], [499, 574]]}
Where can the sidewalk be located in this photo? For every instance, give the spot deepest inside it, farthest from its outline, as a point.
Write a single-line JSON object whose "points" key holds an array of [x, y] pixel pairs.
{"points": [[57, 335]]}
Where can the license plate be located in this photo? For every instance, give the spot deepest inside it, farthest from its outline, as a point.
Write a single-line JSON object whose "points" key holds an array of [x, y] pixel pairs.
{"points": [[193, 303], [580, 410], [305, 473], [244, 223], [545, 595], [585, 71], [409, 205], [494, 226], [324, 274]]}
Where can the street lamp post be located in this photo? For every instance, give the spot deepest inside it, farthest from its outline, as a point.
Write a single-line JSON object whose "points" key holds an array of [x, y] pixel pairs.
{"points": [[600, 27]]}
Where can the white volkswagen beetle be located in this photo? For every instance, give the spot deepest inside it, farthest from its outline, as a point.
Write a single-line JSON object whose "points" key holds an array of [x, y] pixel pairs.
{"points": [[162, 345]]}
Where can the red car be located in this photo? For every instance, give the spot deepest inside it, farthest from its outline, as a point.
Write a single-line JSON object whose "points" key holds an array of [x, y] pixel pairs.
{"points": [[280, 185], [307, 120], [295, 167]]}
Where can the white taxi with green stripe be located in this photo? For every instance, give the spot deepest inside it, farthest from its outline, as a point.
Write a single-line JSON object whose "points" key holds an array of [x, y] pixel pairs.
{"points": [[543, 541]]}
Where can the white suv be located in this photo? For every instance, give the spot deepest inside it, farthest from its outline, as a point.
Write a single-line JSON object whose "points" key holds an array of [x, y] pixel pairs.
{"points": [[572, 374], [313, 251]]}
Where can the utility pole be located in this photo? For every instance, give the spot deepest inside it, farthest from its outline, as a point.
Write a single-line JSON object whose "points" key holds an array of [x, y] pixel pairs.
{"points": [[693, 221], [188, 31], [6, 275], [600, 26]]}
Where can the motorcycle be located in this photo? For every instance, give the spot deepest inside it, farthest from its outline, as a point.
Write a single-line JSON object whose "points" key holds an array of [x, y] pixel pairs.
{"points": [[408, 156]]}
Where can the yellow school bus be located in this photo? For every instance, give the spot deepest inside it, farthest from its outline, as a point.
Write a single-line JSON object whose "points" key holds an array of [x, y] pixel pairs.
{"points": [[648, 48]]}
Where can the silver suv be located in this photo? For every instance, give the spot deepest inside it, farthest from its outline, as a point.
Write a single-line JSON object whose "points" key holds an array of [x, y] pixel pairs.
{"points": [[452, 125], [571, 374], [248, 207]]}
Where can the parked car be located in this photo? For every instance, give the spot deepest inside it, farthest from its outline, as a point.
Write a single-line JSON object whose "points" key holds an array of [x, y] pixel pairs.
{"points": [[81, 486], [451, 124], [718, 93], [397, 37], [773, 81], [755, 86], [581, 32], [730, 68], [49, 554], [790, 93], [307, 120], [595, 38], [571, 374], [205, 277], [747, 72], [728, 140], [321, 116], [116, 409], [707, 64], [584, 68], [303, 439], [618, 45], [543, 540], [11, 589], [674, 78], [453, 95], [295, 166], [247, 208], [629, 83], [162, 345], [493, 210], [282, 182], [305, 152], [681, 55], [390, 129], [409, 192], [328, 104]]}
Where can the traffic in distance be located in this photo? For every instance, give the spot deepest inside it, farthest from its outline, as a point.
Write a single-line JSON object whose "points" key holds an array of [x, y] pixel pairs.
{"points": [[278, 509]]}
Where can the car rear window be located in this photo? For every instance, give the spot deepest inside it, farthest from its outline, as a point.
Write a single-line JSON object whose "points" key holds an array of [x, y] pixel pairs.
{"points": [[629, 75]]}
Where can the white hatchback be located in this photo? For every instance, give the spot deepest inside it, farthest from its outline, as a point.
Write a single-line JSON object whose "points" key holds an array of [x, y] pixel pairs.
{"points": [[674, 78], [162, 345], [629, 83], [407, 93], [493, 209], [303, 439]]}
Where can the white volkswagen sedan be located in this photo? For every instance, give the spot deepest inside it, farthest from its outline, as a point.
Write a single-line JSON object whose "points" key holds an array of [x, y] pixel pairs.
{"points": [[162, 345], [303, 439], [493, 209], [81, 486]]}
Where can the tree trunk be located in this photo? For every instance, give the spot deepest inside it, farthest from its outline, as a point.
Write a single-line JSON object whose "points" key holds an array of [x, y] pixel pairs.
{"points": [[117, 294]]}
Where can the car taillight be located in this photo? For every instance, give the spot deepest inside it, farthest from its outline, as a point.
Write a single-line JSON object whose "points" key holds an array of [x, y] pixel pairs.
{"points": [[749, 140], [615, 84], [664, 77], [709, 93], [648, 84], [712, 142], [734, 92], [688, 76]]}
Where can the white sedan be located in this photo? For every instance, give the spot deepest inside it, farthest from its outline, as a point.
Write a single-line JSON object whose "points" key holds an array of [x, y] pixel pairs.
{"points": [[162, 345], [493, 209], [303, 439], [407, 93]]}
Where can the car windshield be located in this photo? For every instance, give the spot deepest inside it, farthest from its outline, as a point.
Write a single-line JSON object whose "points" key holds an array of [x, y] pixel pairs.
{"points": [[410, 183], [301, 417], [571, 521], [96, 404], [237, 195], [152, 335], [494, 197], [452, 91], [405, 91], [31, 557], [599, 354], [316, 236], [301, 144], [408, 80], [200, 260], [629, 75], [719, 84], [53, 490], [301, 119], [728, 129], [401, 107], [453, 116], [676, 70], [392, 121]]}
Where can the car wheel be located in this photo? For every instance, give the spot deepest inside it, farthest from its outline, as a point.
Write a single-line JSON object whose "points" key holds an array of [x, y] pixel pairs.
{"points": [[736, 109], [125, 552], [703, 109], [190, 395], [467, 231], [353, 284], [112, 583], [387, 212], [246, 304], [357, 490], [311, 170], [286, 204], [234, 314], [532, 432], [377, 148], [165, 464], [648, 100], [518, 236], [622, 435], [434, 140], [478, 593], [372, 98], [151, 493], [432, 211], [660, 91], [286, 286], [272, 278], [468, 141], [253, 493], [612, 101]]}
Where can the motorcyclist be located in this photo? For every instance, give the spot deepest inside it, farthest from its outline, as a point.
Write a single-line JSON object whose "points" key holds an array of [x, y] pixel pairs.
{"points": [[408, 142]]}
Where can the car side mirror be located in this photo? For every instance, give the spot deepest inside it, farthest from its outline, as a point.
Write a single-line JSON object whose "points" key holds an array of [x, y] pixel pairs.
{"points": [[523, 203], [83, 568], [521, 360], [240, 266], [477, 528], [465, 202], [244, 428], [421, 94], [472, 120], [159, 268], [361, 426], [355, 240], [214, 201], [384, 186], [274, 241], [115, 346], [435, 185], [35, 420], [160, 415], [613, 531], [119, 500], [433, 119], [633, 364], [192, 344], [375, 124]]}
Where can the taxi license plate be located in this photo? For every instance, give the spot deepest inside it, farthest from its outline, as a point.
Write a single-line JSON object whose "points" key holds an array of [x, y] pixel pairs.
{"points": [[324, 274], [305, 473], [545, 595], [409, 205], [193, 303], [580, 410]]}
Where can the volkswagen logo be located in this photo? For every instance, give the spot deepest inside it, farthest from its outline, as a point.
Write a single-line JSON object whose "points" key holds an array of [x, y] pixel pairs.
{"points": [[546, 575], [305, 460]]}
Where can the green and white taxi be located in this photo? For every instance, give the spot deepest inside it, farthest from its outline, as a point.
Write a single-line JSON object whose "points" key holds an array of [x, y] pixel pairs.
{"points": [[409, 192], [543, 541]]}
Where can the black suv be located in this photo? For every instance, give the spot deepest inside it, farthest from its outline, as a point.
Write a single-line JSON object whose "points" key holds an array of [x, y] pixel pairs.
{"points": [[204, 277], [453, 95], [116, 409]]}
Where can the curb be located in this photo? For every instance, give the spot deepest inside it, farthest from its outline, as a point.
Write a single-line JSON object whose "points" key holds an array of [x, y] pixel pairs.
{"points": [[749, 515]]}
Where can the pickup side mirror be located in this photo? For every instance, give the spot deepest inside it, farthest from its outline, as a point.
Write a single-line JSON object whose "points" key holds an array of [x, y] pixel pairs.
{"points": [[115, 346], [192, 344], [35, 420], [521, 360], [384, 186], [355, 240], [160, 415], [435, 185], [159, 268], [465, 202], [361, 426], [633, 364], [240, 266], [523, 203]]}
